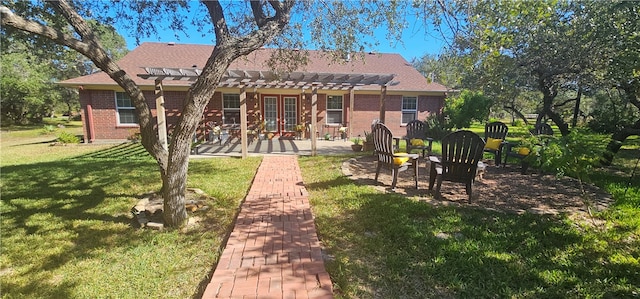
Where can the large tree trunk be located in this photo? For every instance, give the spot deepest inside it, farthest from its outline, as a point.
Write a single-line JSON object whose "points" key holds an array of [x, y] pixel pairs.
{"points": [[226, 51], [175, 180], [549, 94], [576, 108]]}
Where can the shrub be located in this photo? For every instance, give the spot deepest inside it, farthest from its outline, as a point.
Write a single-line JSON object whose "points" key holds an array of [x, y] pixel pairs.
{"points": [[466, 108], [611, 115], [437, 126], [48, 129], [518, 123], [66, 137], [574, 155]]}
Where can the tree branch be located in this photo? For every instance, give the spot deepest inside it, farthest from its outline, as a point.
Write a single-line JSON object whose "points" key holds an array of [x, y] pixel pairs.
{"points": [[8, 18], [219, 23], [564, 103], [258, 13], [91, 48]]}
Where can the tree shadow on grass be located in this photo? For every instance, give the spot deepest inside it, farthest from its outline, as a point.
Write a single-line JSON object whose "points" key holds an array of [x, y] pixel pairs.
{"points": [[62, 211]]}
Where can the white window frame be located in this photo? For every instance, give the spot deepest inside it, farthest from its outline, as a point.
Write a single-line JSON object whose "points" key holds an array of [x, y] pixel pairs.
{"points": [[406, 110], [341, 110], [230, 109], [123, 96]]}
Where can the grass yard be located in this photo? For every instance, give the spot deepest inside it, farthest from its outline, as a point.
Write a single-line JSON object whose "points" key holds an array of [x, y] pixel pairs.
{"points": [[66, 226], [390, 246], [66, 232]]}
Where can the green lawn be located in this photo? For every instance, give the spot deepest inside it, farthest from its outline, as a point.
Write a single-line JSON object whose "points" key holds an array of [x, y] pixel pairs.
{"points": [[66, 232], [66, 227], [389, 246]]}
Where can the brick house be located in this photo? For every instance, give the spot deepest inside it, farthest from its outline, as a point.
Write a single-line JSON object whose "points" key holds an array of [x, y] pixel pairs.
{"points": [[378, 80]]}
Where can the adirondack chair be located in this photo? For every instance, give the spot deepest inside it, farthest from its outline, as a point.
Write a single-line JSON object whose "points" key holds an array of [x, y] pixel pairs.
{"points": [[522, 153], [495, 134], [461, 153], [416, 137], [385, 156], [542, 129]]}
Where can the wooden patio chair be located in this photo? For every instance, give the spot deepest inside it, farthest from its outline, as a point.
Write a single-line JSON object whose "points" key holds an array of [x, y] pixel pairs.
{"points": [[385, 156], [461, 153], [416, 137], [521, 153], [495, 134]]}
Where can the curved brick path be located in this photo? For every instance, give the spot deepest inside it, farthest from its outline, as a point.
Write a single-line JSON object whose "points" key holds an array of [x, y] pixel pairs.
{"points": [[273, 251]]}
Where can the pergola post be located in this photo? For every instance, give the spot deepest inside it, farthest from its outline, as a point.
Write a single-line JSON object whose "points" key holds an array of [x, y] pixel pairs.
{"points": [[314, 120], [161, 114], [243, 120], [383, 98], [351, 104], [257, 108], [303, 113]]}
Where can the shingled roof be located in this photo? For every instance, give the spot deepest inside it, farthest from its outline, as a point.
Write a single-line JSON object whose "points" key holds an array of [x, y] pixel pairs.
{"points": [[191, 56]]}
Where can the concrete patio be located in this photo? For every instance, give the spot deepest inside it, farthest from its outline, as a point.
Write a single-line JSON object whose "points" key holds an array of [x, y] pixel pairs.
{"points": [[260, 147]]}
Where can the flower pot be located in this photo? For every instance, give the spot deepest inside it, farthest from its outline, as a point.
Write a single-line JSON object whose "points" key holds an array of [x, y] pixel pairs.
{"points": [[356, 147]]}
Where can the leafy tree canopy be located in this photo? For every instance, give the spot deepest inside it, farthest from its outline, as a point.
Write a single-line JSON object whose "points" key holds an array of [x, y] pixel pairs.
{"points": [[32, 64]]}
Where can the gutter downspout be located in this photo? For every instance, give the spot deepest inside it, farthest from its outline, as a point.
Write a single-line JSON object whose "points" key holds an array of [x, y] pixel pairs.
{"points": [[91, 134]]}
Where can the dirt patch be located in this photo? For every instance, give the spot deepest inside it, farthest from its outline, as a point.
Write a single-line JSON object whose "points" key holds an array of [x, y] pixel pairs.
{"points": [[501, 189], [147, 213]]}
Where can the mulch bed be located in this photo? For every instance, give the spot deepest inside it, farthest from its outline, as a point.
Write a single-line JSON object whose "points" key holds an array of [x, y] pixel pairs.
{"points": [[500, 189]]}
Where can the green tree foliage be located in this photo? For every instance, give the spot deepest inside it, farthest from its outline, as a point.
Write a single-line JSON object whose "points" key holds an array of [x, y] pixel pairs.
{"points": [[517, 46], [26, 93], [612, 114], [617, 32], [446, 68], [32, 66], [569, 52], [468, 107]]}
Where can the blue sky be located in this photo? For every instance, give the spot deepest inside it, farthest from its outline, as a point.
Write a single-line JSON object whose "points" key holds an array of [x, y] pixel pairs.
{"points": [[415, 42]]}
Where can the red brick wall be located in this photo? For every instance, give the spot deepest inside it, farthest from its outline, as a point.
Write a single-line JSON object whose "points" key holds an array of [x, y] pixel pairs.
{"points": [[105, 118], [366, 109]]}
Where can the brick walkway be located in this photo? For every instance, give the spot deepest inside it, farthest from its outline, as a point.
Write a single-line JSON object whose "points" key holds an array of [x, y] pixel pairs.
{"points": [[273, 251]]}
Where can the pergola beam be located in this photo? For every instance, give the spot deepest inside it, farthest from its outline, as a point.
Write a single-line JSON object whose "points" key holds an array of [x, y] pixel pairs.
{"points": [[267, 79], [235, 78]]}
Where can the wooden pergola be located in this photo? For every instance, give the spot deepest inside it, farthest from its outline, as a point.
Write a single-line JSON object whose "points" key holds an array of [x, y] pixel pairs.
{"points": [[244, 79]]}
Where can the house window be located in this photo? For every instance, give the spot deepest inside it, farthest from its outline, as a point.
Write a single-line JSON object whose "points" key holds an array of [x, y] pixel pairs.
{"points": [[409, 109], [230, 108], [334, 109], [125, 110]]}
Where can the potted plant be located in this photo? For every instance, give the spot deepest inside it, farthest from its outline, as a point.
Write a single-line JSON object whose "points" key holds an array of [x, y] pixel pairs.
{"points": [[300, 128], [343, 132], [357, 144], [260, 127], [368, 141]]}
